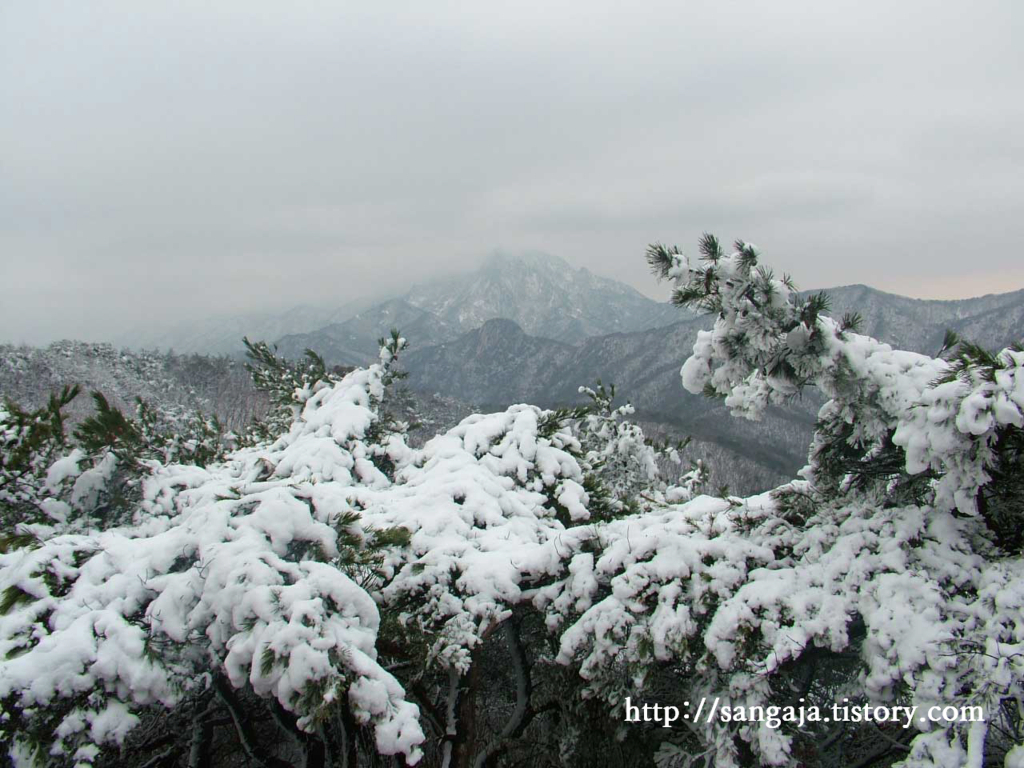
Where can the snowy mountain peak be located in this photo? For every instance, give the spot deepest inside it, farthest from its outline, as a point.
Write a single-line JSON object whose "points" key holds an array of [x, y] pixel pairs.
{"points": [[500, 260], [542, 293]]}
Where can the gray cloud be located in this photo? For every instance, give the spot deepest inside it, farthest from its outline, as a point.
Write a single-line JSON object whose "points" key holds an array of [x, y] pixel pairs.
{"points": [[161, 161]]}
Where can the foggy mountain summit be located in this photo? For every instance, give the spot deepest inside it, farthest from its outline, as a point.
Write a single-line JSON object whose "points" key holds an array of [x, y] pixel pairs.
{"points": [[545, 295], [548, 298], [219, 334]]}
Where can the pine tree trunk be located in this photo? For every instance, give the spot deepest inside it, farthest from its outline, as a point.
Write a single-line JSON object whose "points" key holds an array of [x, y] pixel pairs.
{"points": [[461, 738], [464, 746]]}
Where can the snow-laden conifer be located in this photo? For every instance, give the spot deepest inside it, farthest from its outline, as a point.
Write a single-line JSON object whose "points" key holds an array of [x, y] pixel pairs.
{"points": [[328, 566]]}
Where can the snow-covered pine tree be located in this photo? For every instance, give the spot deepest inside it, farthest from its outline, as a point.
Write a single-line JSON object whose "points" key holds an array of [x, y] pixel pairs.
{"points": [[299, 566], [30, 444], [513, 580], [101, 623], [58, 482], [897, 545]]}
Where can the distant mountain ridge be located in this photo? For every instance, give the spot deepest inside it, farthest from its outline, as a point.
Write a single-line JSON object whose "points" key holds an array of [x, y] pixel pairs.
{"points": [[499, 364], [544, 295], [488, 364], [994, 320], [222, 335], [548, 298], [355, 341]]}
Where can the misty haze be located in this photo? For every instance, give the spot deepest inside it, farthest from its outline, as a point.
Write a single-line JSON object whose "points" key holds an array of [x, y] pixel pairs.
{"points": [[397, 385]]}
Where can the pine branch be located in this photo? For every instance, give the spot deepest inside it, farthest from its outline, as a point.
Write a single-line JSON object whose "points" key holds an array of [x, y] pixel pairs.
{"points": [[660, 258], [851, 321], [710, 248]]}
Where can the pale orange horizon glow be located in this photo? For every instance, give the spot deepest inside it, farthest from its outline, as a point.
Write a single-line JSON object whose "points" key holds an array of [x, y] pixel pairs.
{"points": [[949, 287]]}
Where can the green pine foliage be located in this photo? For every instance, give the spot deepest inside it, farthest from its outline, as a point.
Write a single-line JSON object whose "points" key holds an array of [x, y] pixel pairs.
{"points": [[288, 385], [49, 477], [30, 441]]}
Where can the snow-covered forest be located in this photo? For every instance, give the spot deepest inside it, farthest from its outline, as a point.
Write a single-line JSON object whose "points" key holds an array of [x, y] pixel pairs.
{"points": [[313, 587]]}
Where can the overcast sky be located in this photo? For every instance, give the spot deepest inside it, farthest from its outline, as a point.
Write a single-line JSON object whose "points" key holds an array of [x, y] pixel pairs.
{"points": [[168, 160]]}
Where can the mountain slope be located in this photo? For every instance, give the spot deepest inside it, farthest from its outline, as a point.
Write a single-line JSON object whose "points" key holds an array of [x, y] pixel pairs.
{"points": [[215, 385], [646, 363], [545, 295], [355, 341], [486, 368], [919, 325], [542, 294], [497, 361], [222, 334]]}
